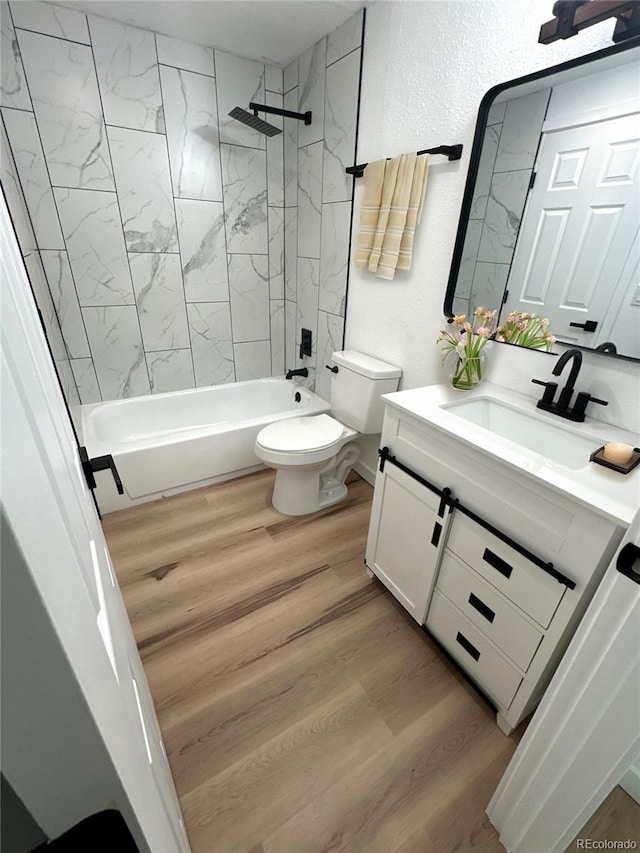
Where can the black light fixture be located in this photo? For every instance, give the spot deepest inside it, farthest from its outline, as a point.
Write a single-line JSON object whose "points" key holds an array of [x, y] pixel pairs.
{"points": [[571, 16]]}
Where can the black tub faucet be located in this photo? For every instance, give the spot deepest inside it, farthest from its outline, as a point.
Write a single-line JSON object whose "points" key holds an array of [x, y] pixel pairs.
{"points": [[567, 392], [301, 371]]}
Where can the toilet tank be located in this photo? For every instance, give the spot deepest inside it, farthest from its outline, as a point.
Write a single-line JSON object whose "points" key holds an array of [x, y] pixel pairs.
{"points": [[357, 387]]}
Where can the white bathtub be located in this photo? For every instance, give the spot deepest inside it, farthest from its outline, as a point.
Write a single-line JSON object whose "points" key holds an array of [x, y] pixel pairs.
{"points": [[172, 442]]}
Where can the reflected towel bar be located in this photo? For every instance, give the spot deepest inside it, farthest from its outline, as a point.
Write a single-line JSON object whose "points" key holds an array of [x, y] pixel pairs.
{"points": [[452, 152]]}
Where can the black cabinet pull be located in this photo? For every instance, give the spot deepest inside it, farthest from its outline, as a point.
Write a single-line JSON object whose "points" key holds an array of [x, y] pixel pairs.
{"points": [[497, 563], [435, 538], [467, 646], [482, 608], [628, 562]]}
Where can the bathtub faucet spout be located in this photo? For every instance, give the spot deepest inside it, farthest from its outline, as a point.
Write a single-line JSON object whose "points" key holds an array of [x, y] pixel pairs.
{"points": [[302, 371]]}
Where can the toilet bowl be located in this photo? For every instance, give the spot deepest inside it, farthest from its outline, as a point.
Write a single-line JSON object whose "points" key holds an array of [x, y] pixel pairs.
{"points": [[312, 456], [309, 455]]}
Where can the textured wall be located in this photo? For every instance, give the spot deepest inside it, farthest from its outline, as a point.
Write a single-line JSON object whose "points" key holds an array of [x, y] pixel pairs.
{"points": [[157, 218], [317, 193], [426, 67]]}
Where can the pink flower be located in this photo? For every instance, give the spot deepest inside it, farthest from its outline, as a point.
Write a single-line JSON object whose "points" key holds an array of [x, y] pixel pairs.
{"points": [[459, 320], [467, 327], [484, 332]]}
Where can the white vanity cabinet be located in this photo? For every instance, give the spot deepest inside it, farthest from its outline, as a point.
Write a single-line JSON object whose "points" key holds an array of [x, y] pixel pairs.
{"points": [[505, 581]]}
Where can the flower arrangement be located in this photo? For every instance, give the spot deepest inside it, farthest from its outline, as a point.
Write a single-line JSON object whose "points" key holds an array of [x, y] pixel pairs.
{"points": [[526, 330], [467, 342]]}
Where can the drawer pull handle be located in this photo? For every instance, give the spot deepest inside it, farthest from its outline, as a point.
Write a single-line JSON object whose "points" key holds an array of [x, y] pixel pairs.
{"points": [[435, 538], [482, 608], [497, 563], [467, 646]]}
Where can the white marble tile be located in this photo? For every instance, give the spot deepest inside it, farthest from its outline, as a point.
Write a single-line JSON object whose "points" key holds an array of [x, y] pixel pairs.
{"points": [[290, 142], [290, 252], [42, 296], [185, 55], [69, 114], [116, 347], [311, 72], [244, 181], [84, 374], [29, 160], [276, 252], [171, 370], [290, 76], [51, 20], [192, 134], [253, 360], [521, 129], [341, 113], [307, 297], [143, 180], [63, 292], [67, 382], [95, 244], [346, 38], [249, 289], [309, 200], [210, 329], [485, 171], [202, 249], [488, 286], [157, 282], [334, 256], [290, 334], [274, 79], [128, 78], [276, 310], [15, 198], [13, 86], [239, 82], [502, 219], [468, 264], [496, 113], [275, 155], [330, 332]]}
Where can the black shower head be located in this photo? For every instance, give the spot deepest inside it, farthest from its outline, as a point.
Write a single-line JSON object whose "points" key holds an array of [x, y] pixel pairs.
{"points": [[254, 122]]}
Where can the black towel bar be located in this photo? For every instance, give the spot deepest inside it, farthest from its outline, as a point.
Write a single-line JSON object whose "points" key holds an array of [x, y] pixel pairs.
{"points": [[452, 152]]}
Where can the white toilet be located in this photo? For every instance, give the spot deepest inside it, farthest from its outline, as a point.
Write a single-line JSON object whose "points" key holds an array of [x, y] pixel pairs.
{"points": [[312, 456]]}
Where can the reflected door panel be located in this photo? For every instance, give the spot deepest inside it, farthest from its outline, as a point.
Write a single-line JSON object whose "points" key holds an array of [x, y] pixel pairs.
{"points": [[579, 230]]}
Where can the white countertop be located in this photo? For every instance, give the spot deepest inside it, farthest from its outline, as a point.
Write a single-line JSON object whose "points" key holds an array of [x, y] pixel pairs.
{"points": [[607, 492]]}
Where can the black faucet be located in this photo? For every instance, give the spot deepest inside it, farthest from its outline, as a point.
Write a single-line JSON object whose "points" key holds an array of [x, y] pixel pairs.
{"points": [[567, 392], [302, 371], [562, 407]]}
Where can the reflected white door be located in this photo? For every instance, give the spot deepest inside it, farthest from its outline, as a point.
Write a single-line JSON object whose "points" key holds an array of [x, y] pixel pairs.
{"points": [[579, 228], [51, 513]]}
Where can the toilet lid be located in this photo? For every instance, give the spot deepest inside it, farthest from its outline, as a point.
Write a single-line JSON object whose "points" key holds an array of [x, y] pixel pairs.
{"points": [[299, 434]]}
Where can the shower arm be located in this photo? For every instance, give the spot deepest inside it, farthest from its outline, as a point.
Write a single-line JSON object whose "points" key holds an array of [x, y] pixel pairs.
{"points": [[277, 111]]}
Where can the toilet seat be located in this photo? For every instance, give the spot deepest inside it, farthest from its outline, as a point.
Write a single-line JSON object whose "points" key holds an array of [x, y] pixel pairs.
{"points": [[298, 441]]}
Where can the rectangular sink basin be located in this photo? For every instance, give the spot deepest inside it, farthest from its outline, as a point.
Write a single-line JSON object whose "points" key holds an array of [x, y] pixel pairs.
{"points": [[559, 443]]}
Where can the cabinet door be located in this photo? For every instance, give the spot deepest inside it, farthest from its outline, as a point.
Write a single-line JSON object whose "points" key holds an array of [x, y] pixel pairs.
{"points": [[406, 538]]}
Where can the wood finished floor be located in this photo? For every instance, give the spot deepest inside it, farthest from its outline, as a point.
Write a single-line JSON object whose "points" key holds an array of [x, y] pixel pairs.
{"points": [[302, 709]]}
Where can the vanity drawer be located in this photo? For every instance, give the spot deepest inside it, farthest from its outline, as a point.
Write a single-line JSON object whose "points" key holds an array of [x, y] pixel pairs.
{"points": [[488, 610], [523, 583], [473, 651]]}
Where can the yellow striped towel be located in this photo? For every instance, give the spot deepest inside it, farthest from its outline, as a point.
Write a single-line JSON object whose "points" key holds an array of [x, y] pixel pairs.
{"points": [[391, 170], [369, 211], [397, 219], [414, 212]]}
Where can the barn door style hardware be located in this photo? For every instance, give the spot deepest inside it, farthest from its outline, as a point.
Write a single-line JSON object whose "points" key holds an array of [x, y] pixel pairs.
{"points": [[571, 16], [99, 463]]}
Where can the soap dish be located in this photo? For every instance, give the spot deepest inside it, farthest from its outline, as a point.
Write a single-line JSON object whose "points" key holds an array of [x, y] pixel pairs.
{"points": [[597, 457]]}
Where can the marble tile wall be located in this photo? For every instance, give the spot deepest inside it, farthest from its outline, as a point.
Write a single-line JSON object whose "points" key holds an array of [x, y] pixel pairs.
{"points": [[504, 173], [318, 196], [153, 224], [172, 246]]}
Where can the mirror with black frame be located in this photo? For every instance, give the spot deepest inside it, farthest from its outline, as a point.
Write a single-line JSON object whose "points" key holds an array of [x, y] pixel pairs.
{"points": [[551, 210]]}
